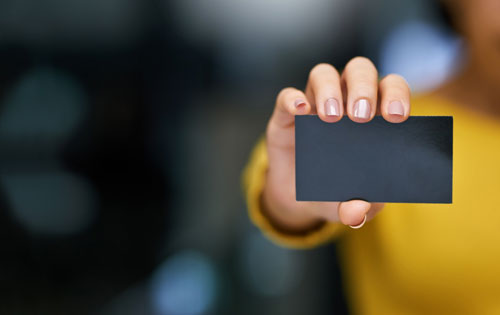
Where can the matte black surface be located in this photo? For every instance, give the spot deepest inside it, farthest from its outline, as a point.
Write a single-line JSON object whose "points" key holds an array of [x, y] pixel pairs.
{"points": [[376, 161]]}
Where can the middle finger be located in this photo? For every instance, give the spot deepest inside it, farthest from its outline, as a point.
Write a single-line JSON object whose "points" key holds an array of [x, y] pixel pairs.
{"points": [[360, 77]]}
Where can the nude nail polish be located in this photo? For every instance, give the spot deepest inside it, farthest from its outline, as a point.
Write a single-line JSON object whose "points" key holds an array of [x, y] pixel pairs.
{"points": [[332, 107], [396, 108], [362, 109], [299, 102]]}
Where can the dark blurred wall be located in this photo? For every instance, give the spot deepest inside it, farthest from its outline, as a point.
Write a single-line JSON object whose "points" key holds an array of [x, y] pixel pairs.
{"points": [[124, 127]]}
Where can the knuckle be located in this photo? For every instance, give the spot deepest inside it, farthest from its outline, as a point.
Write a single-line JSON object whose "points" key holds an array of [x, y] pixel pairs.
{"points": [[321, 68], [360, 62], [283, 93], [364, 87], [394, 77], [395, 81]]}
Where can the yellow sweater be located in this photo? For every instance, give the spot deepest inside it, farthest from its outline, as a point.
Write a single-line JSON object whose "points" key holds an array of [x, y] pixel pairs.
{"points": [[419, 258]]}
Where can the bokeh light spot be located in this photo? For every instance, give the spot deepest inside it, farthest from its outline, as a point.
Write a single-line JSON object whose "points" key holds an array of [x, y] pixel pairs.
{"points": [[422, 53], [51, 203], [185, 284]]}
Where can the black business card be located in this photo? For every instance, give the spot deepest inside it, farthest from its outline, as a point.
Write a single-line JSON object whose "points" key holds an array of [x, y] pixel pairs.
{"points": [[376, 161]]}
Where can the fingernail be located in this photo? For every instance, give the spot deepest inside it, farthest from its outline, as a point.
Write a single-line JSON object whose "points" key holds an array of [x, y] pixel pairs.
{"points": [[299, 102], [359, 225], [362, 109], [332, 107], [396, 108]]}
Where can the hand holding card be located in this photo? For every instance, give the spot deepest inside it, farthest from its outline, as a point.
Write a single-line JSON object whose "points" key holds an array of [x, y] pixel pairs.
{"points": [[335, 100]]}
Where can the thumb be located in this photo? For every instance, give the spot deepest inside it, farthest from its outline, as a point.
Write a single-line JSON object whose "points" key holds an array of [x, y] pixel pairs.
{"points": [[354, 212], [290, 102]]}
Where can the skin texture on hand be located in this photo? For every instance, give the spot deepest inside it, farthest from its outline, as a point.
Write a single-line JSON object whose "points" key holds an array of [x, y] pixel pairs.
{"points": [[356, 93]]}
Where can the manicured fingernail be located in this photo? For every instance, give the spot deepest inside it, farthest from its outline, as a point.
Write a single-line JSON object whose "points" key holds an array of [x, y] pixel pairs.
{"points": [[332, 107], [299, 102], [359, 225], [396, 108], [362, 109]]}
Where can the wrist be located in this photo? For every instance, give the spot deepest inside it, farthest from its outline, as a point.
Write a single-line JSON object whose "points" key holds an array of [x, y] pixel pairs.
{"points": [[291, 219]]}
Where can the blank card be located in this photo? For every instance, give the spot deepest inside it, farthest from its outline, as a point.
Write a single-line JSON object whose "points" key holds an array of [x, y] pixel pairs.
{"points": [[376, 161]]}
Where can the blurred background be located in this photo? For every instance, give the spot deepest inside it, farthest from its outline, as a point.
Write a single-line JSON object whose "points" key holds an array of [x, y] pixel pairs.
{"points": [[124, 127]]}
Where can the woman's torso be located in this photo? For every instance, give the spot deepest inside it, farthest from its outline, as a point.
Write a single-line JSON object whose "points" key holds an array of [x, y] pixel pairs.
{"points": [[435, 259]]}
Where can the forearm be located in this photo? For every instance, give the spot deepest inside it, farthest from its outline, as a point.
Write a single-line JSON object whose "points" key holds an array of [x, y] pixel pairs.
{"points": [[299, 221]]}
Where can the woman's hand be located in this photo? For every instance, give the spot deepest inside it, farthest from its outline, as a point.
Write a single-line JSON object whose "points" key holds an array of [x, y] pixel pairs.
{"points": [[356, 93]]}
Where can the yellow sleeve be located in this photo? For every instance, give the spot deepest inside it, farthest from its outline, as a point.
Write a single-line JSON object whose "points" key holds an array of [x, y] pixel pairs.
{"points": [[254, 176]]}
